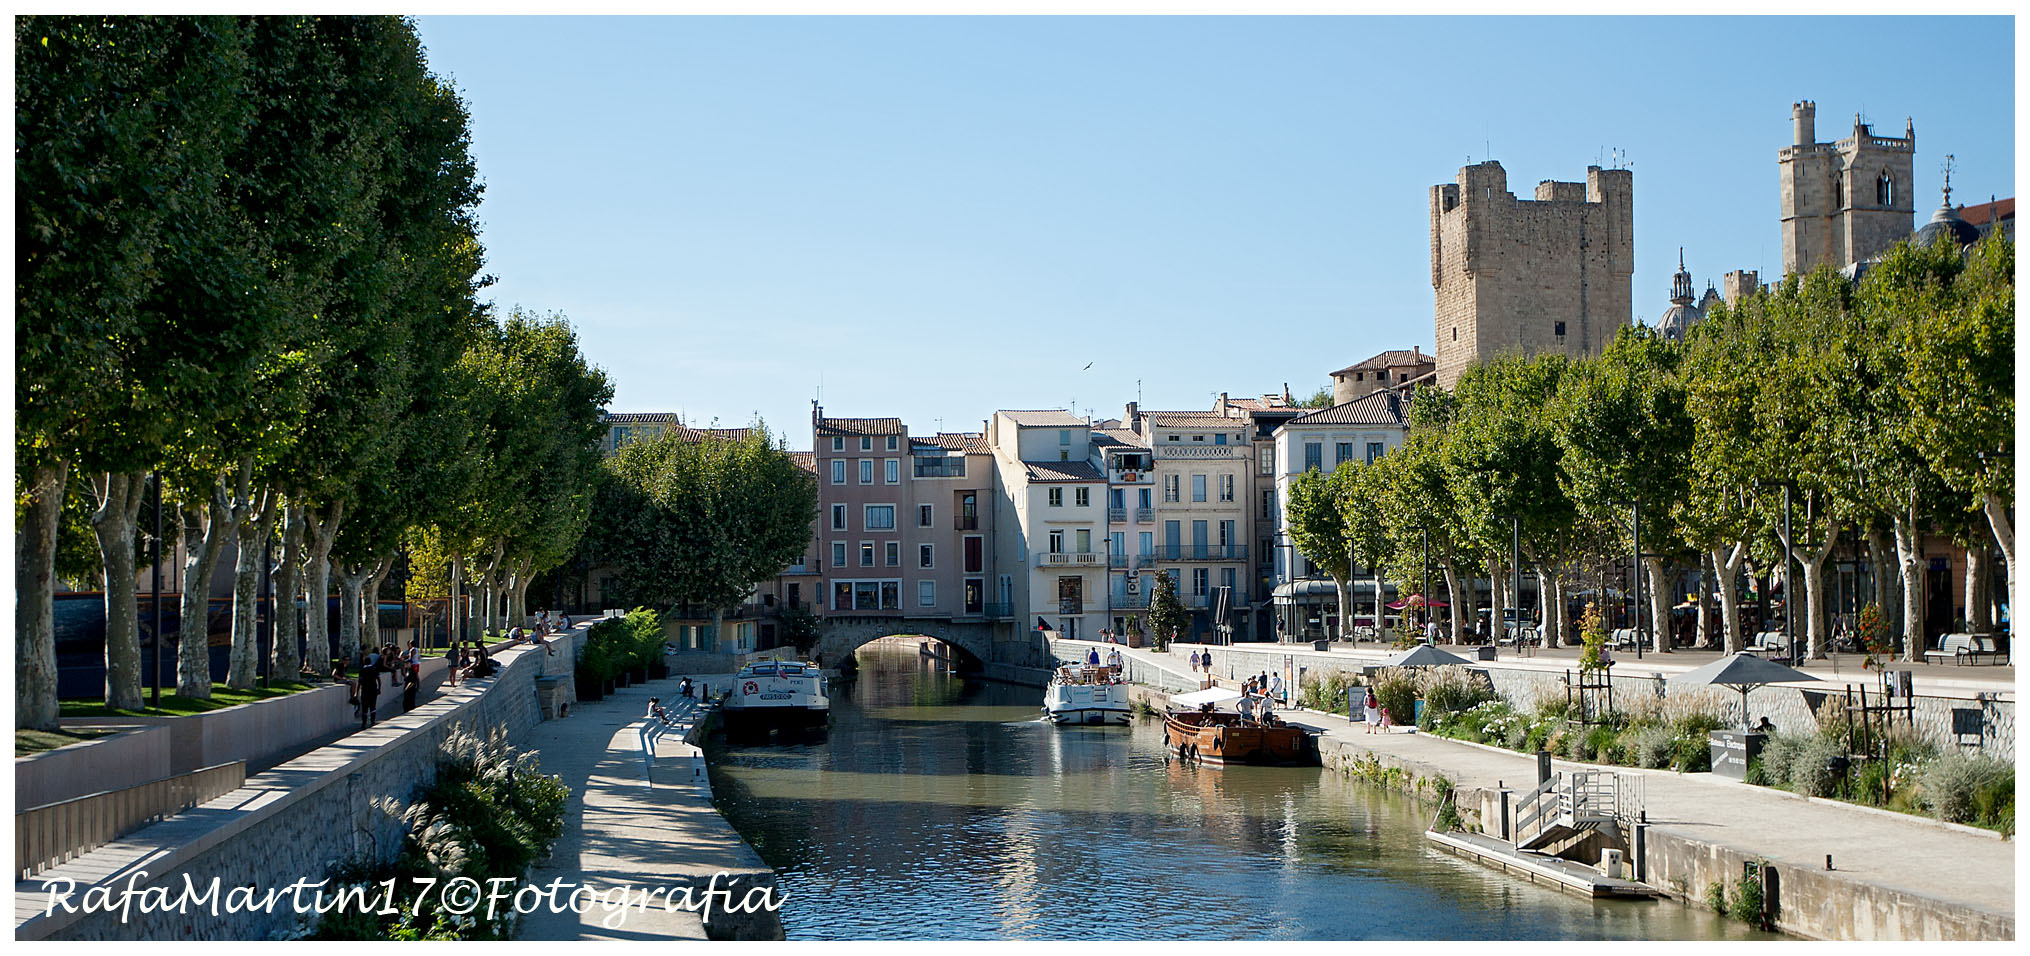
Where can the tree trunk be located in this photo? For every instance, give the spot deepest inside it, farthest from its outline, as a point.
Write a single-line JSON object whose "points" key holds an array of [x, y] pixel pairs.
{"points": [[1345, 589], [1910, 562], [1659, 606], [284, 661], [1978, 619], [205, 527], [1498, 600], [370, 607], [2000, 521], [518, 592], [454, 616], [1813, 561], [317, 589], [251, 536], [1727, 566], [113, 523], [1453, 593], [352, 581], [1702, 636], [1888, 596], [719, 631], [1554, 607], [35, 705]]}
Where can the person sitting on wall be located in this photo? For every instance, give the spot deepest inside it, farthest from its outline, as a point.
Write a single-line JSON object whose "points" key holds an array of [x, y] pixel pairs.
{"points": [[339, 676]]}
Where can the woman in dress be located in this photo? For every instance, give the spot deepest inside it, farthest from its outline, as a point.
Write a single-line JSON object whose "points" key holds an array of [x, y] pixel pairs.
{"points": [[1371, 710]]}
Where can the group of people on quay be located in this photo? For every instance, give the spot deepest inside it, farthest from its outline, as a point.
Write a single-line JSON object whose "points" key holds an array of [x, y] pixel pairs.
{"points": [[403, 667]]}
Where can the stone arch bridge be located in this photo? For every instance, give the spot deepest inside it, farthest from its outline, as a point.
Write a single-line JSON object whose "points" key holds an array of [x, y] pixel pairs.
{"points": [[988, 642]]}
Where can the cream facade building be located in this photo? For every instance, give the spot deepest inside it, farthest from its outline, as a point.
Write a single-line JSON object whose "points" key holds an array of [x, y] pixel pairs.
{"points": [[1050, 507]]}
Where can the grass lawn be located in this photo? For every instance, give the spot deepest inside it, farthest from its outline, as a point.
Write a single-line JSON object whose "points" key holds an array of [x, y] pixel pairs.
{"points": [[176, 706], [37, 741]]}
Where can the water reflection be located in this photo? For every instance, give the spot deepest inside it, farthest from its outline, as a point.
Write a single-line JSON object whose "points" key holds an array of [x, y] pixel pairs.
{"points": [[942, 809]]}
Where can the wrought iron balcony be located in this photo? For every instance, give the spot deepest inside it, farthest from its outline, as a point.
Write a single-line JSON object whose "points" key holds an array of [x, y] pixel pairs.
{"points": [[1117, 514], [1201, 552]]}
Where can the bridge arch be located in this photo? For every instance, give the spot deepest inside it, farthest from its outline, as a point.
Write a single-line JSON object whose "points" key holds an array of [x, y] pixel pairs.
{"points": [[840, 637]]}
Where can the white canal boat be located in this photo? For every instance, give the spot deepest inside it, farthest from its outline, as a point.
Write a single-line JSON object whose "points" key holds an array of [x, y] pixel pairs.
{"points": [[772, 695], [1086, 694]]}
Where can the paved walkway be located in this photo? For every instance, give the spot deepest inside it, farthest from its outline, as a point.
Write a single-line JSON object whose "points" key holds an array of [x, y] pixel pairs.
{"points": [[1878, 847], [1938, 680], [622, 829]]}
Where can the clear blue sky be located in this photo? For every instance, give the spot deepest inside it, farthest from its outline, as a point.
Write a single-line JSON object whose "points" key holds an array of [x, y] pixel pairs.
{"points": [[935, 218]]}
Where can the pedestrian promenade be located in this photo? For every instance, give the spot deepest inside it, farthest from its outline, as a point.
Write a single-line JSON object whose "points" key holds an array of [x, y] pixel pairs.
{"points": [[1930, 679], [1903, 853], [625, 827]]}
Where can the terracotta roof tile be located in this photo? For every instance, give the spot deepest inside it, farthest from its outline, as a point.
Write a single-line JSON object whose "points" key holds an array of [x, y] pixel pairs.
{"points": [[643, 418], [1189, 420], [1062, 471], [1392, 358], [1383, 407], [859, 426]]}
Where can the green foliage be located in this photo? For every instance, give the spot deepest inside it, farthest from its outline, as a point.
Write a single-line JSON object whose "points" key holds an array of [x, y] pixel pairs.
{"points": [[1395, 688], [1600, 745], [1747, 905], [1326, 692], [800, 628], [1593, 635], [1167, 617], [1451, 690], [1318, 399], [491, 813], [1716, 897], [695, 521], [1970, 788], [1650, 747]]}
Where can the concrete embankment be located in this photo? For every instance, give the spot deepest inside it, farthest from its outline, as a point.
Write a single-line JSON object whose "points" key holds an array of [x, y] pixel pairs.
{"points": [[1894, 876], [629, 826]]}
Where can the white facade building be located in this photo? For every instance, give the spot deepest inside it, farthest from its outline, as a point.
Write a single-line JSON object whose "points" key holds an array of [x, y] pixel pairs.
{"points": [[1361, 430], [1051, 511]]}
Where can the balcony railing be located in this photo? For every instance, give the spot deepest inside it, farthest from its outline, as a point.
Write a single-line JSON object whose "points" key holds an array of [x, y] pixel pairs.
{"points": [[966, 522], [1131, 602], [1117, 514], [1201, 552], [1117, 560], [998, 610], [1145, 516], [1085, 558], [1130, 476]]}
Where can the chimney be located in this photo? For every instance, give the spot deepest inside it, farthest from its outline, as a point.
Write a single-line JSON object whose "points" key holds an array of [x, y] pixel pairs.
{"points": [[1134, 418]]}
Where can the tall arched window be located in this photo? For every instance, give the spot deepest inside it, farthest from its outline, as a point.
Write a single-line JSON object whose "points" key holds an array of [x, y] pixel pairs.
{"points": [[1885, 190]]}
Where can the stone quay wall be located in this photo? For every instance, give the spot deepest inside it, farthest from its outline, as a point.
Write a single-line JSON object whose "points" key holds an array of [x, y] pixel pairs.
{"points": [[298, 821]]}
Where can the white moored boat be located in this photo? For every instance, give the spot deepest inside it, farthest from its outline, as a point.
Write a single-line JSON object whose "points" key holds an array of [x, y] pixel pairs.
{"points": [[1086, 694], [770, 695]]}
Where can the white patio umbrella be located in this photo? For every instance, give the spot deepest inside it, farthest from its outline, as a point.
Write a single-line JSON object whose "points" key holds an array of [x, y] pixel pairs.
{"points": [[1743, 672]]}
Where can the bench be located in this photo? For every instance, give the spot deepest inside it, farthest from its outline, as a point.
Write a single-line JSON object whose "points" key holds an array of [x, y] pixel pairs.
{"points": [[1966, 648], [1769, 643], [1624, 639]]}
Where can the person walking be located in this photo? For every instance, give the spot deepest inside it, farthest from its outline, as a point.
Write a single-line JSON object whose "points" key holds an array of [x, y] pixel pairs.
{"points": [[411, 685], [1371, 710], [653, 725], [1276, 688], [369, 690], [1194, 661]]}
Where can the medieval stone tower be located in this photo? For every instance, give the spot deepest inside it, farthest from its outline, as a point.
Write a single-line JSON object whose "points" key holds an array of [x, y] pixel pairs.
{"points": [[1843, 202], [1528, 276]]}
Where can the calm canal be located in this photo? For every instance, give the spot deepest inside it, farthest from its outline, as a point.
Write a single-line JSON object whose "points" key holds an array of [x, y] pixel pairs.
{"points": [[940, 808]]}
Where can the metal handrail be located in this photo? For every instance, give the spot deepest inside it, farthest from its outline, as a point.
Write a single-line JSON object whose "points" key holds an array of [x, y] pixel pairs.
{"points": [[58, 832]]}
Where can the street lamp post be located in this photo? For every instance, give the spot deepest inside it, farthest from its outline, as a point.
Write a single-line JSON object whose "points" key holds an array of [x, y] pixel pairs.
{"points": [[1427, 578], [1789, 592], [155, 584]]}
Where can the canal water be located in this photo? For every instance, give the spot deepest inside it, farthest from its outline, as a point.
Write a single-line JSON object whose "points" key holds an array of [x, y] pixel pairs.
{"points": [[941, 808]]}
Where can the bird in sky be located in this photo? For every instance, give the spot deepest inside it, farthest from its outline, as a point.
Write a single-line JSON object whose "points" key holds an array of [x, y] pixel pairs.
{"points": [[1088, 365]]}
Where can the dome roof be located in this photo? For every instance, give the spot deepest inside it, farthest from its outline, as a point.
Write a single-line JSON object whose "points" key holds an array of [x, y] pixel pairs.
{"points": [[1677, 320], [1947, 224]]}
